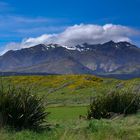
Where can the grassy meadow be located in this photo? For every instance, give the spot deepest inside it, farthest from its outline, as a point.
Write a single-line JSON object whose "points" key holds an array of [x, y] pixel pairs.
{"points": [[68, 98]]}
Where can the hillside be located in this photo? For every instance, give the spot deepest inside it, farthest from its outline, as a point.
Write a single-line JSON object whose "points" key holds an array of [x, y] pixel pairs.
{"points": [[71, 89]]}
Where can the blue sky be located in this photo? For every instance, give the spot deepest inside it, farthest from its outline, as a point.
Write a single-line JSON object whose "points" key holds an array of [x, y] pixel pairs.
{"points": [[21, 19]]}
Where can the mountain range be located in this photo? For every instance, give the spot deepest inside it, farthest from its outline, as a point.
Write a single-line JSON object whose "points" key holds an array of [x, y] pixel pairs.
{"points": [[110, 58]]}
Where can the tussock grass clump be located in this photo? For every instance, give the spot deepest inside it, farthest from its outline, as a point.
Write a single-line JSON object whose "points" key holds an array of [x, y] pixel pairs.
{"points": [[21, 109], [105, 106]]}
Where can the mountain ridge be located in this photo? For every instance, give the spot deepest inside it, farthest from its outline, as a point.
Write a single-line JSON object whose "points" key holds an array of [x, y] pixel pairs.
{"points": [[106, 58]]}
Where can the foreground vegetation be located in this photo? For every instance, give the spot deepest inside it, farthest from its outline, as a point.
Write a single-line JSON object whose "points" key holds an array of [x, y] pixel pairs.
{"points": [[68, 100], [119, 128], [21, 109], [114, 103]]}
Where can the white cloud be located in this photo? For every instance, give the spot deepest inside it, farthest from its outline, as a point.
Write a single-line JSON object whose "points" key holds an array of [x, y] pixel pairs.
{"points": [[78, 34], [93, 34]]}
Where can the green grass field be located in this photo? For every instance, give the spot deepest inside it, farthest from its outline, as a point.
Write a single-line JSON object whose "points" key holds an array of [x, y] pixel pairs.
{"points": [[66, 113], [68, 97]]}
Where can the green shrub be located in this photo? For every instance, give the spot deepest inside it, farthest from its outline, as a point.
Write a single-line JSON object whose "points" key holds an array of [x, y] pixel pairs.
{"points": [[21, 109], [115, 102]]}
